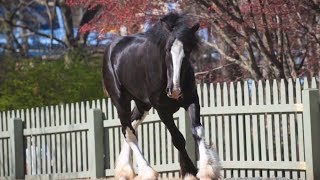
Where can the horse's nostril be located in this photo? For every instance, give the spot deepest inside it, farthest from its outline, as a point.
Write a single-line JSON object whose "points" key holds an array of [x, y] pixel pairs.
{"points": [[168, 90]]}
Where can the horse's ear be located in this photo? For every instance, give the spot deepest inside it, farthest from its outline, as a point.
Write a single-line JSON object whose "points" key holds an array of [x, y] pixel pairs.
{"points": [[195, 28], [162, 19], [165, 24], [169, 21]]}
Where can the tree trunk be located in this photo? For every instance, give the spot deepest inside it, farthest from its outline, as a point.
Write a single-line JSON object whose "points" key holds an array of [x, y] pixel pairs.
{"points": [[10, 41], [68, 23]]}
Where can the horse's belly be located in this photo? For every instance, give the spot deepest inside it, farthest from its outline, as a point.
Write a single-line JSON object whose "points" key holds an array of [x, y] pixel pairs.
{"points": [[142, 91]]}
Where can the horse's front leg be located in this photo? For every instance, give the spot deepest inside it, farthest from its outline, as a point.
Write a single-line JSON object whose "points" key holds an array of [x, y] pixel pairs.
{"points": [[209, 164], [187, 167]]}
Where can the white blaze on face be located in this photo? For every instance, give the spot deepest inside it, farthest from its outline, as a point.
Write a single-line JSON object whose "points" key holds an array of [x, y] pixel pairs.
{"points": [[177, 54]]}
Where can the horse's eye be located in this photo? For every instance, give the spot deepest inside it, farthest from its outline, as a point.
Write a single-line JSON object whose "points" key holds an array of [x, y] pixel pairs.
{"points": [[187, 50]]}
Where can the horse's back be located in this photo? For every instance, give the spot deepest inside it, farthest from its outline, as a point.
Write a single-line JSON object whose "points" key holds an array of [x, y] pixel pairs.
{"points": [[118, 49]]}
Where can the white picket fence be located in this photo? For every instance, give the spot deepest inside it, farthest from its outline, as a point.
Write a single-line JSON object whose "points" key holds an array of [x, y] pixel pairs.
{"points": [[261, 129]]}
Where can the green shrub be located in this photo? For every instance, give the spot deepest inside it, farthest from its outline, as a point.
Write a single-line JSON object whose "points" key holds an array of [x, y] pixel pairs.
{"points": [[32, 83]]}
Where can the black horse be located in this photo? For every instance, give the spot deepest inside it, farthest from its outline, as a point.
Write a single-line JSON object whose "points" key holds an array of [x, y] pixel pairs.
{"points": [[154, 70]]}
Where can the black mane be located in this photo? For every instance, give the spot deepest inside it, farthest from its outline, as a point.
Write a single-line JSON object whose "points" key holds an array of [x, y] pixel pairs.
{"points": [[177, 24], [157, 34]]}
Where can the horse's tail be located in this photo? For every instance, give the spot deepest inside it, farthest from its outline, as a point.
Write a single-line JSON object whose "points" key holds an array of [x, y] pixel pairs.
{"points": [[105, 92], [104, 66], [108, 72]]}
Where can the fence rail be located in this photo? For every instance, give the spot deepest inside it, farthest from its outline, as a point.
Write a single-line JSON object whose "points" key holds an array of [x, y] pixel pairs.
{"points": [[260, 129]]}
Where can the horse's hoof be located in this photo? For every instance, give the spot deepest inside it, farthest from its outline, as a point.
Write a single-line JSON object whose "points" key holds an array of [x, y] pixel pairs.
{"points": [[189, 177], [209, 163], [208, 173], [147, 173], [124, 172]]}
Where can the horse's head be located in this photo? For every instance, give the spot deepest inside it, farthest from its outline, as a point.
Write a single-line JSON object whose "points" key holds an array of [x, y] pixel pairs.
{"points": [[182, 40]]}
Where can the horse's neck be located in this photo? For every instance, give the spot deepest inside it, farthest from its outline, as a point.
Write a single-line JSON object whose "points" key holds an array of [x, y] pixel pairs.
{"points": [[158, 35]]}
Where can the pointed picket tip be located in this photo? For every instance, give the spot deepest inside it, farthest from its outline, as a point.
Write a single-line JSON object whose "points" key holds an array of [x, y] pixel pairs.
{"points": [[103, 108], [298, 91], [52, 118], [232, 85], [313, 82], [87, 107], [72, 113], [268, 92], [93, 104], [205, 92], [32, 118], [72, 107], [218, 91], [67, 111], [232, 94], [1, 121], [82, 104], [21, 114], [4, 117], [225, 94], [62, 114], [261, 96], [42, 117], [98, 104], [246, 93], [82, 110], [200, 94], [87, 103], [77, 113], [199, 88], [239, 94], [212, 95], [57, 113], [275, 93], [290, 91], [305, 83], [283, 94], [253, 93], [16, 113]]}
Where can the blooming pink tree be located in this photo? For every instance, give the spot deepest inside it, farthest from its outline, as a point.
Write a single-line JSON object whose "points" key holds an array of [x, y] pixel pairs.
{"points": [[116, 13], [265, 38]]}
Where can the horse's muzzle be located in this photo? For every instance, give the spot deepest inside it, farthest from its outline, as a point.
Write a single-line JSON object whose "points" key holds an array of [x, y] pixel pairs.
{"points": [[174, 93]]}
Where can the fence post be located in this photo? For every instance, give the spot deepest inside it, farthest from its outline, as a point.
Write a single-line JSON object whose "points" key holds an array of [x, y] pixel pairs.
{"points": [[95, 143], [16, 148], [311, 118], [185, 128]]}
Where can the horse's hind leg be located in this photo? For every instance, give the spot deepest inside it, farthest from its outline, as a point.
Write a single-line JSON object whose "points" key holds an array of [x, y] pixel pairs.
{"points": [[124, 168]]}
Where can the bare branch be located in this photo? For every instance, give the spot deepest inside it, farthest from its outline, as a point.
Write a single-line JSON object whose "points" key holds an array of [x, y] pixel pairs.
{"points": [[230, 42], [242, 63], [21, 5], [224, 9], [302, 61], [214, 69], [50, 22], [34, 31]]}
